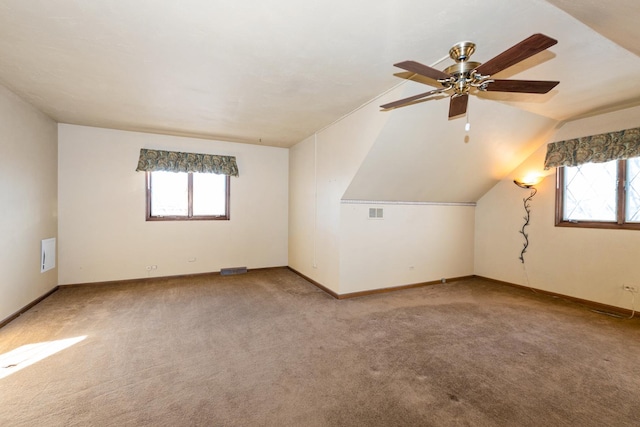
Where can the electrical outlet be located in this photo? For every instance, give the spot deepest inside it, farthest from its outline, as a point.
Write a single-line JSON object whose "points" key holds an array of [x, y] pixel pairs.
{"points": [[630, 288], [148, 268]]}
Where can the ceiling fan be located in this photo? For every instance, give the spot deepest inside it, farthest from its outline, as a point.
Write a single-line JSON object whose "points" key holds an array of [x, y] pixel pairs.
{"points": [[467, 77]]}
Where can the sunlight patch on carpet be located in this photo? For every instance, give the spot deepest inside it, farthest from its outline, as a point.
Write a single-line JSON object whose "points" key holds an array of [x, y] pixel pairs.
{"points": [[29, 354]]}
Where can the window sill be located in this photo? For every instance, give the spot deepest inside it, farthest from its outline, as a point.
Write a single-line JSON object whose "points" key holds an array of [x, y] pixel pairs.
{"points": [[601, 225], [184, 218]]}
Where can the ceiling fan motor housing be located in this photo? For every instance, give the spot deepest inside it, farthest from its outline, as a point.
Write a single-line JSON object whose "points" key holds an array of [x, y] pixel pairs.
{"points": [[462, 71], [461, 51], [462, 76]]}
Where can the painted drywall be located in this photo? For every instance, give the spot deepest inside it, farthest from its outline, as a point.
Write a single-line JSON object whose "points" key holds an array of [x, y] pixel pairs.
{"points": [[591, 264], [426, 157], [303, 230], [410, 244], [321, 168], [104, 235], [28, 201], [330, 242]]}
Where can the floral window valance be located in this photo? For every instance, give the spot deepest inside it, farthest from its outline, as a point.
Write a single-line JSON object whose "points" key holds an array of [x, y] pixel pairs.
{"points": [[623, 144], [175, 161]]}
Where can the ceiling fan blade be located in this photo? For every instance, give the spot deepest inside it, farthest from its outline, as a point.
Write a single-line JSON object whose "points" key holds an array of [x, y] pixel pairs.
{"points": [[422, 69], [524, 86], [408, 75], [458, 105], [409, 100], [521, 51]]}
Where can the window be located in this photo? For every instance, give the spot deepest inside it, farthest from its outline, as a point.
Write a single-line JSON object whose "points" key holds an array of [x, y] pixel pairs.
{"points": [[599, 195], [181, 196]]}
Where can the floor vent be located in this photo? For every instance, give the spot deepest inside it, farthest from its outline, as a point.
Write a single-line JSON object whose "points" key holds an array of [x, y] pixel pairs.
{"points": [[235, 270]]}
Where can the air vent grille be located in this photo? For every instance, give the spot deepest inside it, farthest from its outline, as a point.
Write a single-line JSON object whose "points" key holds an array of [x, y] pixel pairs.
{"points": [[231, 271], [375, 213]]}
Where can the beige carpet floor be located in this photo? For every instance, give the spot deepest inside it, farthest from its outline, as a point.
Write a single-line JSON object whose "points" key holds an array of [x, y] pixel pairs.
{"points": [[269, 349]]}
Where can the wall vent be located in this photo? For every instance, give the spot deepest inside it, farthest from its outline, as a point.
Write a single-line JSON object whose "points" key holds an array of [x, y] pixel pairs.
{"points": [[234, 270], [375, 213]]}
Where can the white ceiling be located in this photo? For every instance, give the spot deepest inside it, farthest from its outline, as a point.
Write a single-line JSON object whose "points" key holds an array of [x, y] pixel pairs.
{"points": [[617, 20], [275, 71], [426, 157]]}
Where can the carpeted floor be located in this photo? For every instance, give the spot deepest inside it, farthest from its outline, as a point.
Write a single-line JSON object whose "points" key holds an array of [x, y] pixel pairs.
{"points": [[269, 349]]}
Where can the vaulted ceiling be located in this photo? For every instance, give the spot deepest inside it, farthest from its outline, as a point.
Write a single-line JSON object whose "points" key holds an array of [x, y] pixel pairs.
{"points": [[276, 71]]}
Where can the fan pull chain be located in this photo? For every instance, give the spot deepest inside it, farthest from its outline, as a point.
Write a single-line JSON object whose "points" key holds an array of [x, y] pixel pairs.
{"points": [[468, 125]]}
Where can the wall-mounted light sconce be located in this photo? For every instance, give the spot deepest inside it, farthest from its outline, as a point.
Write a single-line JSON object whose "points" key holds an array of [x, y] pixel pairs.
{"points": [[528, 182]]}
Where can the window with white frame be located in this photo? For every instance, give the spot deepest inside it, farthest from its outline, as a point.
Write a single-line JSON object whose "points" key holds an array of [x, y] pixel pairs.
{"points": [[180, 196]]}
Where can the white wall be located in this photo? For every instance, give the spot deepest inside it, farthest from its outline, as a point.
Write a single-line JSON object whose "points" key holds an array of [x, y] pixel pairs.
{"points": [[102, 227], [411, 244], [303, 231], [28, 201], [330, 242], [591, 264], [321, 168]]}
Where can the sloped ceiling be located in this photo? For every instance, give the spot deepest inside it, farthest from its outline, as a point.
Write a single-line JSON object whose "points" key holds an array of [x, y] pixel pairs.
{"points": [[422, 156], [415, 159], [276, 71], [617, 21]]}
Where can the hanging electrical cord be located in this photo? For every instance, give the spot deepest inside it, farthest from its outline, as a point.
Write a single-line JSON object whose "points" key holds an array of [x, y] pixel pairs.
{"points": [[526, 277], [527, 219], [618, 316], [315, 200], [633, 305], [467, 126]]}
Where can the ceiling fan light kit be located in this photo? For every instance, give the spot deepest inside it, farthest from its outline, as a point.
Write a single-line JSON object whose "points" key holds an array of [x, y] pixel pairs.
{"points": [[466, 77]]}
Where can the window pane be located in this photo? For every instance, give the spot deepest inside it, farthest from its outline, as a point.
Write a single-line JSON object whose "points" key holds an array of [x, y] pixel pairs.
{"points": [[169, 195], [633, 190], [590, 192], [209, 194]]}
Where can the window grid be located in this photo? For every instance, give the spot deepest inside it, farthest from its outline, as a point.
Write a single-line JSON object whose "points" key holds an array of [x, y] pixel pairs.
{"points": [[632, 213], [186, 210], [622, 204], [590, 192]]}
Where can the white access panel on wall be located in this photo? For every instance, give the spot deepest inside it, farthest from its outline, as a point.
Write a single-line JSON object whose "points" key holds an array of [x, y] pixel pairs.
{"points": [[47, 254]]}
